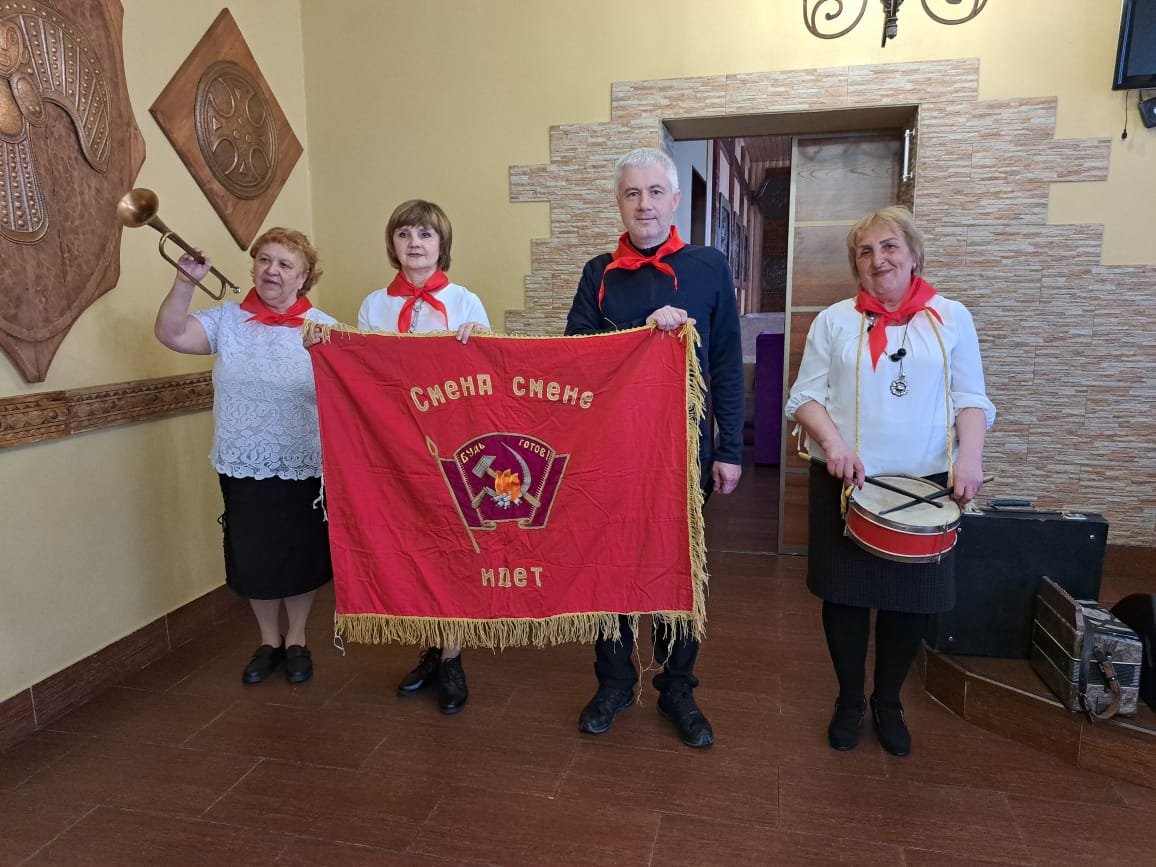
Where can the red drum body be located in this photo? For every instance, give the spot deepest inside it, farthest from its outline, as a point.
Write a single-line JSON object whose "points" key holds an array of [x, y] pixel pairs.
{"points": [[919, 533]]}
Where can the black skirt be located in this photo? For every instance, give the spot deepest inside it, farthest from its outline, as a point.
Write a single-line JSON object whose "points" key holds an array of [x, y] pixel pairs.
{"points": [[840, 571], [276, 543]]}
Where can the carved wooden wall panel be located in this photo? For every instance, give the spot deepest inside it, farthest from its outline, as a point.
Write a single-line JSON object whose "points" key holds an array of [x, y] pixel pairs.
{"points": [[69, 148], [55, 414], [228, 128]]}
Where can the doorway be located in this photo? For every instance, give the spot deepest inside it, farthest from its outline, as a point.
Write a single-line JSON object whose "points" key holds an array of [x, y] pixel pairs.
{"points": [[781, 192]]}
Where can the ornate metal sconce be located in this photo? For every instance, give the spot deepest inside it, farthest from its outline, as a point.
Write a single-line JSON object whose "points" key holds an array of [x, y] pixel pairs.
{"points": [[838, 11]]}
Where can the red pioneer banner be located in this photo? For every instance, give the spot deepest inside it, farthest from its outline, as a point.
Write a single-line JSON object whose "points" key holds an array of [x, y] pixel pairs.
{"points": [[514, 490]]}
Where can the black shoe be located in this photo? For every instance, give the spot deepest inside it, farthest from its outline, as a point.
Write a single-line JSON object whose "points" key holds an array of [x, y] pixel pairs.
{"points": [[298, 663], [843, 732], [598, 715], [893, 734], [424, 675], [265, 660], [677, 704], [452, 690]]}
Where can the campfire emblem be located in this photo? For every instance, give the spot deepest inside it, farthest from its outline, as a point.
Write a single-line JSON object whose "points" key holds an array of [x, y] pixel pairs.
{"points": [[502, 477]]}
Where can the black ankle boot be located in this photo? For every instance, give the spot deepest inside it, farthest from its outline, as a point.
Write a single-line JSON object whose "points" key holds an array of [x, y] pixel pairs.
{"points": [[424, 675], [843, 732], [452, 689], [676, 703], [893, 734], [598, 715]]}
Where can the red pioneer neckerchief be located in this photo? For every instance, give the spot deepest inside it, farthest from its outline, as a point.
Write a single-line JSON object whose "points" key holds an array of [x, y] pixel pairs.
{"points": [[401, 287], [628, 257], [921, 292], [266, 315]]}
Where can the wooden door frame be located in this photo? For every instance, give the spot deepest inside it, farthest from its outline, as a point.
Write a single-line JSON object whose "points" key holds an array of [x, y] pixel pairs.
{"points": [[788, 465], [892, 119]]}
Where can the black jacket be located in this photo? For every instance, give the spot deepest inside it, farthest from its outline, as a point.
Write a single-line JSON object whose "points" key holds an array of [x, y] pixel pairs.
{"points": [[707, 293]]}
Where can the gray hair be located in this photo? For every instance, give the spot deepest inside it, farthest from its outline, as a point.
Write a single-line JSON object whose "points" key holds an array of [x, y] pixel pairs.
{"points": [[644, 158]]}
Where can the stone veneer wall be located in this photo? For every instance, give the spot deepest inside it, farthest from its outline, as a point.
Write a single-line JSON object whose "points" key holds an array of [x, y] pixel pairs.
{"points": [[1069, 344]]}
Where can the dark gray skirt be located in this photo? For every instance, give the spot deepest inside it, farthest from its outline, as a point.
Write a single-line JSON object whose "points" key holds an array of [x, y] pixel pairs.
{"points": [[276, 543], [840, 571]]}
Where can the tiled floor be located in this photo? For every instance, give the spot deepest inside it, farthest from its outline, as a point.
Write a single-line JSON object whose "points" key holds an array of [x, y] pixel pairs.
{"points": [[182, 764]]}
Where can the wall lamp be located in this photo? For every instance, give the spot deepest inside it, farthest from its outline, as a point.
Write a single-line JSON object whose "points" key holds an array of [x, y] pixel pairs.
{"points": [[838, 12]]}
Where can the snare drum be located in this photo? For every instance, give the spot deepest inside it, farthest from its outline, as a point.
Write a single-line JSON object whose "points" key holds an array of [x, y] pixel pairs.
{"points": [[919, 533]]}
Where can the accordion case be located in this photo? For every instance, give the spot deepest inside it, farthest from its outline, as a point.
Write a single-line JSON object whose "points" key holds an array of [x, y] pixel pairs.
{"points": [[1086, 656]]}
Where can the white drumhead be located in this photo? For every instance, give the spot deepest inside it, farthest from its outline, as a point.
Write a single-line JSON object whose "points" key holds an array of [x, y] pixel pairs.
{"points": [[876, 500]]}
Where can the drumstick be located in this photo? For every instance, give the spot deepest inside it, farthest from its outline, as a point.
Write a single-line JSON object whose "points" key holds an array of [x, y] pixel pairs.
{"points": [[880, 484], [937, 495]]}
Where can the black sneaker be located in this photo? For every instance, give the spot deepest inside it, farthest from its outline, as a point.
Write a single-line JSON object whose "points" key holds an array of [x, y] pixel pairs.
{"points": [[676, 703], [424, 675], [598, 715], [843, 732], [893, 734], [452, 690]]}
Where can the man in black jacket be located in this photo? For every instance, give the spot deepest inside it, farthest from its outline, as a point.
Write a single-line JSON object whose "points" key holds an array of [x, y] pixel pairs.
{"points": [[653, 277]]}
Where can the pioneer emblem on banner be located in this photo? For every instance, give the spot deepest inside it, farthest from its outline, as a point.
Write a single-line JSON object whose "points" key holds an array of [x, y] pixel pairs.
{"points": [[502, 477]]}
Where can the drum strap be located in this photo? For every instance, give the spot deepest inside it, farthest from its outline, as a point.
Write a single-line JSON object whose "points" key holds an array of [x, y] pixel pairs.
{"points": [[946, 399]]}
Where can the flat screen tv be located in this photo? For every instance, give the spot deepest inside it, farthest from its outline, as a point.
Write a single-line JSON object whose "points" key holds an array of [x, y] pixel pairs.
{"points": [[1136, 54]]}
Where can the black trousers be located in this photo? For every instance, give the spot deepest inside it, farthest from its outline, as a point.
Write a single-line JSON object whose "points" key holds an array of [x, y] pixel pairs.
{"points": [[613, 665]]}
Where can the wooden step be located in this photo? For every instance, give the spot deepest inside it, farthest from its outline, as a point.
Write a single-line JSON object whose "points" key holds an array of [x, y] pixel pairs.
{"points": [[1006, 697]]}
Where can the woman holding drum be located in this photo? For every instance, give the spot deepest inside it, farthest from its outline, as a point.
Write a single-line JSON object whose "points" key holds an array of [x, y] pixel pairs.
{"points": [[891, 384]]}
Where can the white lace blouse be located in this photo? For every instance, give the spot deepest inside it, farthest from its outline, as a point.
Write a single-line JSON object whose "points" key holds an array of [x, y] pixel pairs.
{"points": [[264, 400]]}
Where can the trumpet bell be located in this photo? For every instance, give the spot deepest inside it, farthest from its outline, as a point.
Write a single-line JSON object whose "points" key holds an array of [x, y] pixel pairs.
{"points": [[137, 207]]}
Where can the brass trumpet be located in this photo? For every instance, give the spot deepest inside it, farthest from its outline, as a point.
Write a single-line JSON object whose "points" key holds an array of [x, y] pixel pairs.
{"points": [[139, 208]]}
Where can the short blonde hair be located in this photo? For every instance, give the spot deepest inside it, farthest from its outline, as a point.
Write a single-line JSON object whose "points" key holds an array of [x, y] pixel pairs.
{"points": [[419, 212], [297, 241], [898, 218]]}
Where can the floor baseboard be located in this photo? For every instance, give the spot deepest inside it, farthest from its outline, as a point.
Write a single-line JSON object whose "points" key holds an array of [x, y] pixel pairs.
{"points": [[38, 706]]}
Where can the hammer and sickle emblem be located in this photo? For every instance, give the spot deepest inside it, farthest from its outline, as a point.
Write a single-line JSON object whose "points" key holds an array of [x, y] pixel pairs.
{"points": [[504, 480]]}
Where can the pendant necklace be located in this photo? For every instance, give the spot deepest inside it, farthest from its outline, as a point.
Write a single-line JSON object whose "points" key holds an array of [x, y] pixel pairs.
{"points": [[899, 384]]}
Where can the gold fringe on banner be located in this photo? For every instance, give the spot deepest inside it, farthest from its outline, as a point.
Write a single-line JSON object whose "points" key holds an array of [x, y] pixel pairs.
{"points": [[493, 634], [562, 628], [695, 413]]}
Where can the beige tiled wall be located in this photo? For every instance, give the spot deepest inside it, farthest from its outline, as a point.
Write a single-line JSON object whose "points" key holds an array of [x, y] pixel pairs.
{"points": [[1069, 344]]}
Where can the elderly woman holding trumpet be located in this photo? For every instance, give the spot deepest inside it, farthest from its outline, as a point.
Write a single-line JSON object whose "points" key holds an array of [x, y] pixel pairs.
{"points": [[891, 382], [266, 443]]}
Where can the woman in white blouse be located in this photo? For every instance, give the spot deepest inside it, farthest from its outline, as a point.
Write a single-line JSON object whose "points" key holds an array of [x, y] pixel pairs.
{"points": [[266, 442], [421, 299], [889, 381]]}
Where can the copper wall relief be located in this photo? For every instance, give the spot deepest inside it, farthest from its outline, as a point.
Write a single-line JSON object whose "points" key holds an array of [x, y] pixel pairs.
{"points": [[69, 146], [228, 129], [235, 130]]}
